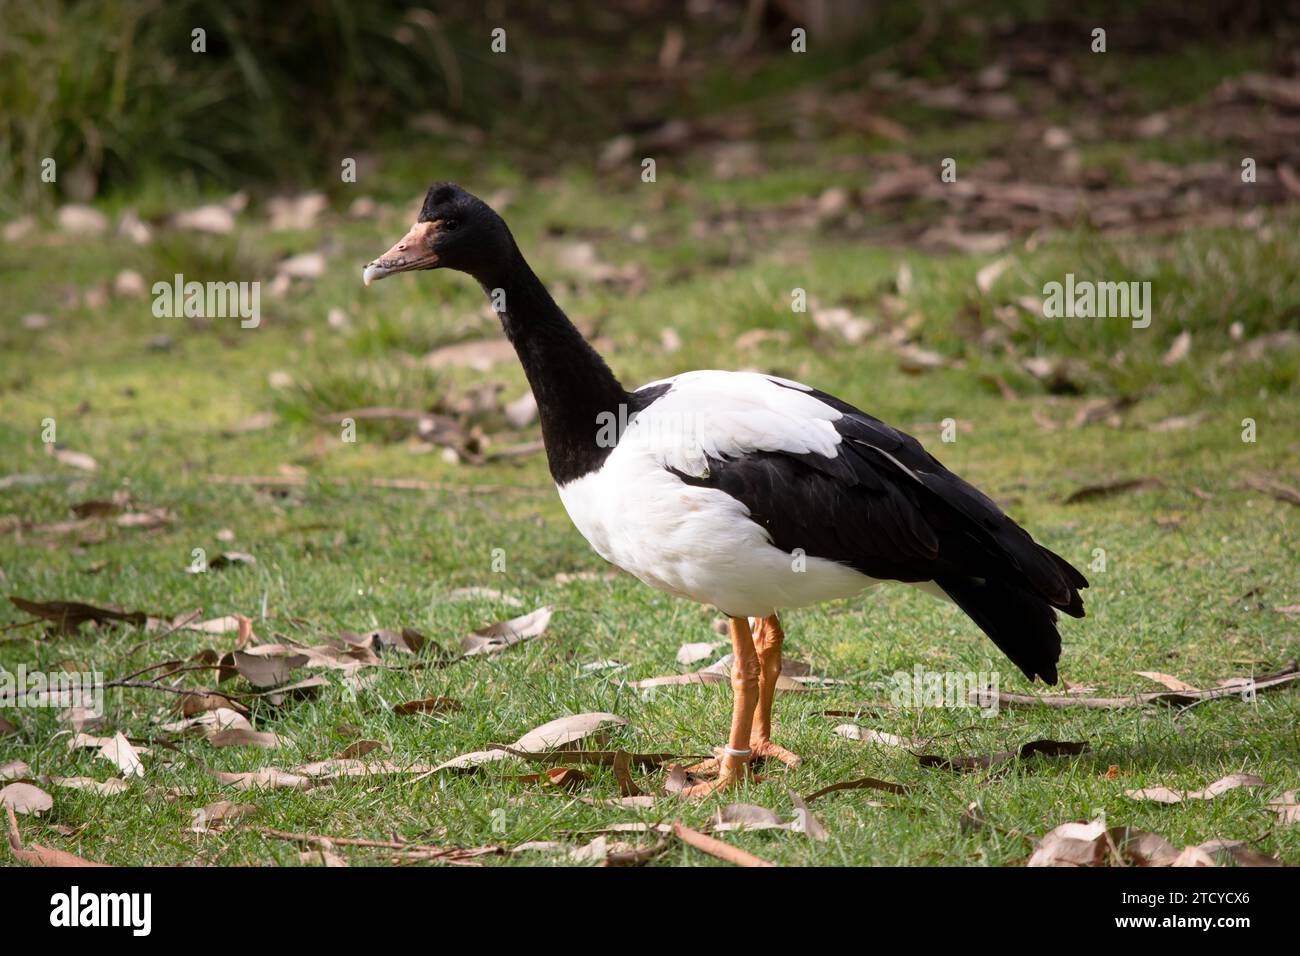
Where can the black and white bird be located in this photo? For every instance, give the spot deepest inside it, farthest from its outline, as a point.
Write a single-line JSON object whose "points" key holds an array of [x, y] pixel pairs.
{"points": [[744, 491]]}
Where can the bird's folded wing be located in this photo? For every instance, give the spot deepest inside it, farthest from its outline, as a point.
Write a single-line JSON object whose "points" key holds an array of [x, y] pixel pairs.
{"points": [[825, 477]]}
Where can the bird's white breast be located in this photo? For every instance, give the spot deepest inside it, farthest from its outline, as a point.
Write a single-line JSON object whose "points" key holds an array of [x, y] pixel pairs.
{"points": [[698, 542]]}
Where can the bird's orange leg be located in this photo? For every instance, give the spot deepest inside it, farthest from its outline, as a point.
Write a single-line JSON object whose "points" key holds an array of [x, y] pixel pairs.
{"points": [[745, 675], [768, 638]]}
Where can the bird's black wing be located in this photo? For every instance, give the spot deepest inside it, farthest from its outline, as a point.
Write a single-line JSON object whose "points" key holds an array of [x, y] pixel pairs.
{"points": [[887, 508]]}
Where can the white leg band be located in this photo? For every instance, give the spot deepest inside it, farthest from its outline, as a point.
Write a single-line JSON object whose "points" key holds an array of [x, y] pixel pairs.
{"points": [[733, 752]]}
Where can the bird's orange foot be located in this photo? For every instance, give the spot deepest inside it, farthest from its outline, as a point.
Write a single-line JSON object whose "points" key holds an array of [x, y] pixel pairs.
{"points": [[724, 781], [730, 770], [767, 749]]}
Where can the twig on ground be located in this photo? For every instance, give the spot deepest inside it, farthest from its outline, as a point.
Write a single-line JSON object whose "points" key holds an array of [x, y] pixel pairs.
{"points": [[401, 484], [1288, 675], [715, 847], [409, 852]]}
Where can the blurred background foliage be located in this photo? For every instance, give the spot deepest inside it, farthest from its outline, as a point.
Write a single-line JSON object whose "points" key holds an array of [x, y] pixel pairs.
{"points": [[113, 90], [777, 173]]}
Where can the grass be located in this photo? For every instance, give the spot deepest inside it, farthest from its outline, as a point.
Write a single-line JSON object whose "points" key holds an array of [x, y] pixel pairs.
{"points": [[1194, 566]]}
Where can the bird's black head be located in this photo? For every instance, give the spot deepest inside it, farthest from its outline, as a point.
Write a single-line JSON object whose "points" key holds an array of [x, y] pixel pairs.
{"points": [[454, 231]]}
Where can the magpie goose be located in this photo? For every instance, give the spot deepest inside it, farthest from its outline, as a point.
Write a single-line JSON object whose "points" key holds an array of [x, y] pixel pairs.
{"points": [[744, 491]]}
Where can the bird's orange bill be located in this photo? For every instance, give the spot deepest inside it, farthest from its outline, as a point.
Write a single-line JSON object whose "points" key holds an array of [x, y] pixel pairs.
{"points": [[413, 251]]}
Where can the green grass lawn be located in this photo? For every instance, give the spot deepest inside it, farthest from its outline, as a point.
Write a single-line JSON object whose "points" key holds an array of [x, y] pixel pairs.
{"points": [[1187, 572]]}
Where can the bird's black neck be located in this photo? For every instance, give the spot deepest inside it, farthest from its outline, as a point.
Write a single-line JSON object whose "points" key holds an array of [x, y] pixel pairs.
{"points": [[574, 388]]}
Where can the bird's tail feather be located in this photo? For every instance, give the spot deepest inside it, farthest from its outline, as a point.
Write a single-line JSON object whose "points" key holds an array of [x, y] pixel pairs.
{"points": [[1022, 624]]}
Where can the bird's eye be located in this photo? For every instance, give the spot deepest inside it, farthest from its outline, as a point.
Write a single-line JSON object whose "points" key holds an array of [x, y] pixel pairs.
{"points": [[449, 225]]}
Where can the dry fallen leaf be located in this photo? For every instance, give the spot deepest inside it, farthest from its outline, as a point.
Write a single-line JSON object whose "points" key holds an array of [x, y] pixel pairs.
{"points": [[74, 459], [1179, 349], [869, 735], [295, 212], [1235, 852], [483, 594], [429, 705], [1220, 786], [13, 769], [116, 749], [1173, 683], [472, 760], [805, 822], [1101, 410], [82, 718], [479, 354], [1142, 848], [302, 689], [210, 721], [68, 616], [268, 778], [407, 640], [266, 665], [694, 653], [1277, 489], [560, 733], [359, 748], [26, 798], [1178, 422], [623, 775], [988, 276], [706, 676], [1109, 488], [599, 850], [862, 783], [225, 559], [37, 855], [217, 625], [842, 322], [210, 818], [202, 701], [344, 768], [913, 360], [105, 788], [1090, 844], [100, 507], [1287, 807], [567, 778], [628, 854], [322, 857], [564, 731], [212, 218], [747, 816], [497, 637], [1071, 844], [675, 780], [600, 758], [1043, 748], [582, 259], [573, 577]]}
